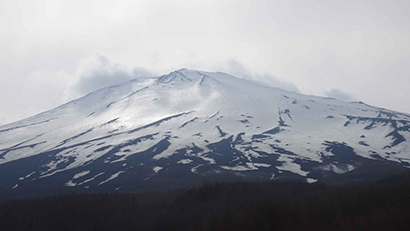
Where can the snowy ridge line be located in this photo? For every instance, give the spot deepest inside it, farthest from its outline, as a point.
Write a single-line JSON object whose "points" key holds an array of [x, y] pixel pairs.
{"points": [[74, 137], [158, 122], [189, 121], [133, 93], [28, 125]]}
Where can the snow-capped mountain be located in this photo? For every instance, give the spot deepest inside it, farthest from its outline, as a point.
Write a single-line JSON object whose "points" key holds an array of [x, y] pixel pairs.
{"points": [[177, 129]]}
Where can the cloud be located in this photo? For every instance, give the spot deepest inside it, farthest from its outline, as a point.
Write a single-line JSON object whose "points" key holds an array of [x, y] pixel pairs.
{"points": [[99, 71], [3, 119], [43, 90], [38, 92], [338, 94], [238, 69]]}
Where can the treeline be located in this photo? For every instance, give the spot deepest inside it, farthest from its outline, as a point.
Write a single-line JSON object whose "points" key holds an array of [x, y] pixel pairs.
{"points": [[222, 206]]}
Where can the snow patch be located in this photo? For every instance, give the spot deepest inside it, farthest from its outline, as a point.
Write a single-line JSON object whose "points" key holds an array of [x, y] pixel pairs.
{"points": [[157, 169], [339, 169], [195, 169], [310, 180], [291, 167], [185, 161], [70, 184], [249, 167], [210, 160], [262, 165], [23, 178], [113, 176], [91, 179], [81, 174]]}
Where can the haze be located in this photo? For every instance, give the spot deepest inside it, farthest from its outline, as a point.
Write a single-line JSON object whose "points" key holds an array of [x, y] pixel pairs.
{"points": [[55, 51]]}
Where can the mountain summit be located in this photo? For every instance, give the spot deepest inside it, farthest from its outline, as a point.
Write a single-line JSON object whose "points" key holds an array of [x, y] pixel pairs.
{"points": [[179, 129]]}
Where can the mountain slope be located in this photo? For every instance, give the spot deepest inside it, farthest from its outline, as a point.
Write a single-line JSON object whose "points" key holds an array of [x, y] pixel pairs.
{"points": [[174, 130]]}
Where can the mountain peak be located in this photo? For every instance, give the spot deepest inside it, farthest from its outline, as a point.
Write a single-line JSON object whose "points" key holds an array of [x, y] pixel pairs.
{"points": [[173, 77]]}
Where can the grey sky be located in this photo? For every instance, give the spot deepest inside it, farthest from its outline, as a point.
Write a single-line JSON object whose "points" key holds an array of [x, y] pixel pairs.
{"points": [[52, 51]]}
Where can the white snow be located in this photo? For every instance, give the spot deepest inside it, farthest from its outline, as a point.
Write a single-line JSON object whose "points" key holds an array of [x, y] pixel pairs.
{"points": [[157, 169], [81, 174], [262, 165], [239, 168], [25, 177], [290, 166], [70, 184], [113, 176], [310, 180], [152, 109], [210, 160], [78, 175], [195, 169], [185, 161], [91, 179], [249, 166], [339, 169]]}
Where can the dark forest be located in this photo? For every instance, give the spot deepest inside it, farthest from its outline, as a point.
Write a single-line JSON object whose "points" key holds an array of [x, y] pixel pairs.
{"points": [[237, 206]]}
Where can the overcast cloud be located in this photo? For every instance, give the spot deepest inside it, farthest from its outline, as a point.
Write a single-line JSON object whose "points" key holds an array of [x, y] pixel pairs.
{"points": [[237, 69], [338, 94], [99, 71], [52, 51]]}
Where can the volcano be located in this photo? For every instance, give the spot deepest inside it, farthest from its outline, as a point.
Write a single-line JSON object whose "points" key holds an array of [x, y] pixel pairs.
{"points": [[189, 126]]}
